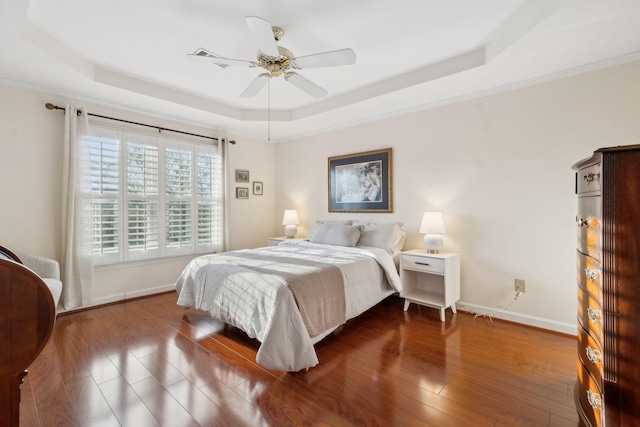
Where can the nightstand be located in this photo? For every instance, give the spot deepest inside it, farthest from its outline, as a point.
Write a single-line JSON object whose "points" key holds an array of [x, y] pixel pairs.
{"points": [[273, 241], [430, 279]]}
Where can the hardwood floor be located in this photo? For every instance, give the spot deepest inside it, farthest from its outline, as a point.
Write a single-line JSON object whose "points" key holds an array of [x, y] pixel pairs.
{"points": [[148, 362]]}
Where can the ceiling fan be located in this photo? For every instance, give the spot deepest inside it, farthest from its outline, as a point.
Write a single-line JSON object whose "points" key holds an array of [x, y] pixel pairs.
{"points": [[278, 60]]}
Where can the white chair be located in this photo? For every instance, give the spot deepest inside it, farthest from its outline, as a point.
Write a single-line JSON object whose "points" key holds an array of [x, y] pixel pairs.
{"points": [[48, 270]]}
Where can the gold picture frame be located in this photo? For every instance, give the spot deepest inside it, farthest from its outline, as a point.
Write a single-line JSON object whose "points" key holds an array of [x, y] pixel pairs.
{"points": [[361, 182]]}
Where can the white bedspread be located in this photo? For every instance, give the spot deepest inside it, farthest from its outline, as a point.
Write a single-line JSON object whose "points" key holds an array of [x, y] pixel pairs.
{"points": [[263, 306]]}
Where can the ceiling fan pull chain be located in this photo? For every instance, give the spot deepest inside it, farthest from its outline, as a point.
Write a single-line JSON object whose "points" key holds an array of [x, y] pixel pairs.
{"points": [[269, 111]]}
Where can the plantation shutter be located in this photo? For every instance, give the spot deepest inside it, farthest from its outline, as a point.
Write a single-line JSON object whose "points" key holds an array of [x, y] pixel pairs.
{"points": [[178, 180], [209, 198], [153, 197], [143, 197], [104, 152]]}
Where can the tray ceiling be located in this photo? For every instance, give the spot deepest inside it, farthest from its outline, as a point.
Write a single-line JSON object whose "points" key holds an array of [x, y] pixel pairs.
{"points": [[410, 54]]}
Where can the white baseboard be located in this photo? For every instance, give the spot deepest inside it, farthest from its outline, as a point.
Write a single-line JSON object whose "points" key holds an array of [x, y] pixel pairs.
{"points": [[538, 322], [129, 295], [151, 291]]}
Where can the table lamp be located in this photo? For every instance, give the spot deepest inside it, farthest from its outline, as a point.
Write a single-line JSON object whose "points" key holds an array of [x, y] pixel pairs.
{"points": [[290, 220], [433, 227]]}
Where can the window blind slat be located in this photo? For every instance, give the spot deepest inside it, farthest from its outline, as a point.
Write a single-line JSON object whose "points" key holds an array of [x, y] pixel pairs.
{"points": [[142, 224], [142, 168], [150, 190], [105, 226]]}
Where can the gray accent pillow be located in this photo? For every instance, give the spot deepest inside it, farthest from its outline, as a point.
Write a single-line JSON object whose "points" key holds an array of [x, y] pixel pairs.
{"points": [[336, 234], [318, 223], [384, 236]]}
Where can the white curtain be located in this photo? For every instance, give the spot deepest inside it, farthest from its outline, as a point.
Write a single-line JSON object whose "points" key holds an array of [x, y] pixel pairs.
{"points": [[77, 233], [224, 149]]}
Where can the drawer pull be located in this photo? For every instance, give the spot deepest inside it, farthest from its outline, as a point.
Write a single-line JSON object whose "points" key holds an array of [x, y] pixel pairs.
{"points": [[593, 314], [594, 356], [423, 263], [591, 273], [594, 399], [590, 177], [582, 222]]}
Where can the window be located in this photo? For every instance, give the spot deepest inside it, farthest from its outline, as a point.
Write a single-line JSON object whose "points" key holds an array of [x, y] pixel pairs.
{"points": [[153, 196]]}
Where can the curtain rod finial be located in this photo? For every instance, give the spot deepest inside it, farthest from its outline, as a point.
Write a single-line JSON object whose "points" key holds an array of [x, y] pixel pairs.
{"points": [[49, 106], [232, 142]]}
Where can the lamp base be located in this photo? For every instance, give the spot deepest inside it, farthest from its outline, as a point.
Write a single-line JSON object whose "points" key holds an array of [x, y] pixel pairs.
{"points": [[433, 243], [290, 231]]}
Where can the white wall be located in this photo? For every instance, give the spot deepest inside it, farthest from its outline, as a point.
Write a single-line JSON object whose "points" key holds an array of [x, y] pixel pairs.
{"points": [[30, 173], [499, 167], [251, 218], [31, 189]]}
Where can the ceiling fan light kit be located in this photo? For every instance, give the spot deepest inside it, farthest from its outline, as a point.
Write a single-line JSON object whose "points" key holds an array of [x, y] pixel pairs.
{"points": [[278, 60], [276, 65]]}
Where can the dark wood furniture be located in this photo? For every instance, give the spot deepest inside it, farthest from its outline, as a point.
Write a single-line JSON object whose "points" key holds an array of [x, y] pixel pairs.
{"points": [[27, 315], [608, 221], [6, 253]]}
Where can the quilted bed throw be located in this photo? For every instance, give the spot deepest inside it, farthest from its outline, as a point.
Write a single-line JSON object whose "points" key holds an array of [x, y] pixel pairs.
{"points": [[318, 288]]}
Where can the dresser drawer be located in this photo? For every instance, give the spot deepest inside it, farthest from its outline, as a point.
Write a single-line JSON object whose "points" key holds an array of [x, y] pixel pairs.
{"points": [[588, 222], [588, 179], [590, 354], [589, 275], [590, 397], [421, 263], [590, 314]]}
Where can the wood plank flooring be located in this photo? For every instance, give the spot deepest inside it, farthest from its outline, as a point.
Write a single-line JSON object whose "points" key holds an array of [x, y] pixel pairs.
{"points": [[150, 363]]}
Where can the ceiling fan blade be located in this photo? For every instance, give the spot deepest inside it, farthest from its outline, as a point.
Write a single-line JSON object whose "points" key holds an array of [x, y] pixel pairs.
{"points": [[255, 86], [263, 33], [206, 56], [326, 59], [305, 85]]}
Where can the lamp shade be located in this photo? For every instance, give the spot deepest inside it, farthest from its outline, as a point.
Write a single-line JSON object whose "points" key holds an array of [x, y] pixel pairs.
{"points": [[290, 220], [433, 227], [290, 217], [432, 223]]}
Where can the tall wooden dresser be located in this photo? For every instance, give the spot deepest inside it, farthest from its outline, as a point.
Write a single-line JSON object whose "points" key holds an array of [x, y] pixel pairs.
{"points": [[607, 392]]}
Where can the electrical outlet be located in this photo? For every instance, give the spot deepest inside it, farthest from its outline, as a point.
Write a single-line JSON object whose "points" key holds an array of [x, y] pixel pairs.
{"points": [[520, 286]]}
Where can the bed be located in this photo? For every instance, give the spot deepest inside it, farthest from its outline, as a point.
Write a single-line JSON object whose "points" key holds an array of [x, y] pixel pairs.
{"points": [[293, 295]]}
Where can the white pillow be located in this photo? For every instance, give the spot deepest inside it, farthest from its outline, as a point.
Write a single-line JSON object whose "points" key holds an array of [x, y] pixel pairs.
{"points": [[400, 243], [336, 234], [314, 229], [384, 236]]}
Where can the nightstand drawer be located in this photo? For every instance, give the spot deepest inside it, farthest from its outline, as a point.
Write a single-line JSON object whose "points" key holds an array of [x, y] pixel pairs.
{"points": [[423, 263]]}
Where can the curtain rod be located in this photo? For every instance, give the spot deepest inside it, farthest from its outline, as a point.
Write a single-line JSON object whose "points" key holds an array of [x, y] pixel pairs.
{"points": [[50, 106]]}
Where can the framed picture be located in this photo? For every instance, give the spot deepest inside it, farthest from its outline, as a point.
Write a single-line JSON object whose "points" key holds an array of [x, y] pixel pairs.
{"points": [[242, 193], [242, 175], [361, 182], [257, 188]]}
